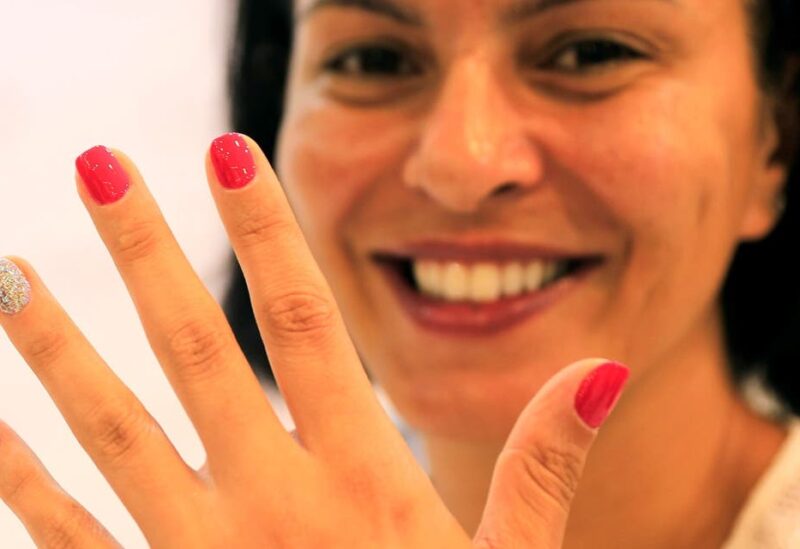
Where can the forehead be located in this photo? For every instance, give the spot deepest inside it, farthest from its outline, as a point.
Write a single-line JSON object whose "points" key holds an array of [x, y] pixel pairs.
{"points": [[412, 11]]}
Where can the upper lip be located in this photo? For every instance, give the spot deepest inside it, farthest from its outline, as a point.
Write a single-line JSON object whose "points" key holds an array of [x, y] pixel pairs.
{"points": [[483, 249]]}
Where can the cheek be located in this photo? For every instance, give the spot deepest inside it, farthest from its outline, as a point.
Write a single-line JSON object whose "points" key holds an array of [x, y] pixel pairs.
{"points": [[330, 161], [664, 172], [671, 165], [654, 176], [674, 154]]}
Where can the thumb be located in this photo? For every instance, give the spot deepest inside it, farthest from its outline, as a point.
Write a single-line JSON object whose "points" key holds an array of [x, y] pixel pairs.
{"points": [[538, 470]]}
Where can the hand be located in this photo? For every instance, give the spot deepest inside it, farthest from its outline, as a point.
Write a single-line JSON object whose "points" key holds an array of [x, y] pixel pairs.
{"points": [[349, 480]]}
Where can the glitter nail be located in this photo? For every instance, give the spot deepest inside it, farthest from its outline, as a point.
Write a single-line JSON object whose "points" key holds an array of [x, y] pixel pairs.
{"points": [[15, 291]]}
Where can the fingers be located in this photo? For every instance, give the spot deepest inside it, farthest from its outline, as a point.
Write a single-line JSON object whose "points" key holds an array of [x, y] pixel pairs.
{"points": [[51, 516], [108, 420], [537, 472], [185, 326], [314, 361]]}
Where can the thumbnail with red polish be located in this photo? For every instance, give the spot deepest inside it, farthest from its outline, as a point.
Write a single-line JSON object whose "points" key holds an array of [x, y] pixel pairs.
{"points": [[599, 392], [102, 174], [232, 161]]}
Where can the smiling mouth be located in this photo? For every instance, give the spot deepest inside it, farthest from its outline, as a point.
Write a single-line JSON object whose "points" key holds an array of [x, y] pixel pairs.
{"points": [[478, 282], [478, 298]]}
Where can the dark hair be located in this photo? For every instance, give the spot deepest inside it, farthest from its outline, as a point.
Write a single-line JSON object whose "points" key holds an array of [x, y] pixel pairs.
{"points": [[761, 294]]}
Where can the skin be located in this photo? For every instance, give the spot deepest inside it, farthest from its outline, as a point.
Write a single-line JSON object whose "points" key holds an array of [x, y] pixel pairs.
{"points": [[344, 478], [660, 163]]}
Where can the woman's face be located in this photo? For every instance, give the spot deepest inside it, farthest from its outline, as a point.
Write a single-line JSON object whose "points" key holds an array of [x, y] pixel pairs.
{"points": [[487, 141]]}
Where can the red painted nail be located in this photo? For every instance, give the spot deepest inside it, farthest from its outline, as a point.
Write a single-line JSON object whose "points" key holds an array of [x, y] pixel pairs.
{"points": [[599, 392], [232, 160], [101, 172]]}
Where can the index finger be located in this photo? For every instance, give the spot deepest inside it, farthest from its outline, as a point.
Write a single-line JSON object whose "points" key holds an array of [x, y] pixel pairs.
{"points": [[315, 363]]}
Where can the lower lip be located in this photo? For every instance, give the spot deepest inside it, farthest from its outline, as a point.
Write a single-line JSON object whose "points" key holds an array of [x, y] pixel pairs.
{"points": [[479, 319]]}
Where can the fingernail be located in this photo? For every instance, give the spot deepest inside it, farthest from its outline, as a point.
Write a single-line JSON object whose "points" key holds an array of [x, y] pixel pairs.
{"points": [[232, 160], [599, 392], [101, 172], [15, 290]]}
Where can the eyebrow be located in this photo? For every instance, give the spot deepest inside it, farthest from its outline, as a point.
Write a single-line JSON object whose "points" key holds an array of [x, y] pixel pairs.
{"points": [[386, 8], [519, 9]]}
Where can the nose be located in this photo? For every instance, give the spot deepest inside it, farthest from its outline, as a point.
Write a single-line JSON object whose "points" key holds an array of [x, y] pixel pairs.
{"points": [[473, 143]]}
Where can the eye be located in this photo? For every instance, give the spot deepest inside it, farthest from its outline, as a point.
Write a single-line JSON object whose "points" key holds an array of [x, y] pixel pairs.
{"points": [[372, 61], [596, 54]]}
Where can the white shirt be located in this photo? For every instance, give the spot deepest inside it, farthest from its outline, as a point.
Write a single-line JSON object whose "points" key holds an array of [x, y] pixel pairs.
{"points": [[770, 518]]}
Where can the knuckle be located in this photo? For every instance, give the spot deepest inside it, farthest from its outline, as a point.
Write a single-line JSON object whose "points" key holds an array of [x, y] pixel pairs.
{"points": [[485, 540], [64, 529], [17, 472], [554, 472], [261, 224], [136, 241], [363, 488], [47, 347], [405, 511], [300, 313], [21, 478], [197, 347], [400, 505], [117, 430]]}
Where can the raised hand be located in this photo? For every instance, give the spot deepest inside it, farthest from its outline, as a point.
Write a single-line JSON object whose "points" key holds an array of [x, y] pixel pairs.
{"points": [[347, 480]]}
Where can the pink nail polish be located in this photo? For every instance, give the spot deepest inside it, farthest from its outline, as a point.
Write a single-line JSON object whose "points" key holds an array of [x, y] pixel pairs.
{"points": [[599, 392], [232, 161], [101, 172]]}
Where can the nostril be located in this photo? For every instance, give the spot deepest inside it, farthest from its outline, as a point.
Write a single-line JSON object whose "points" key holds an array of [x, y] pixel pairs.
{"points": [[505, 188]]}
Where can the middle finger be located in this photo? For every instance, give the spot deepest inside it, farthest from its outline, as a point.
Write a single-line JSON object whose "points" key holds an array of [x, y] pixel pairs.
{"points": [[314, 360]]}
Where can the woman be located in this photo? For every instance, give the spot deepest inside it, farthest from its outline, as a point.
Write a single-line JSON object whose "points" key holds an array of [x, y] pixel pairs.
{"points": [[625, 150], [493, 190]]}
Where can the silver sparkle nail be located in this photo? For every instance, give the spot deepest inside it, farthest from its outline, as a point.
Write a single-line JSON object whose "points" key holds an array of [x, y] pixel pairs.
{"points": [[15, 290]]}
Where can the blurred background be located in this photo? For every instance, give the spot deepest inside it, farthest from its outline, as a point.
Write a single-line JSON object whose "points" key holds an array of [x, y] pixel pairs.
{"points": [[146, 77]]}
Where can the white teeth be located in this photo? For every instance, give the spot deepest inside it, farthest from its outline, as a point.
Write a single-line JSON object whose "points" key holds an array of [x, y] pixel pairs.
{"points": [[455, 282], [513, 279], [482, 282], [428, 275], [534, 273]]}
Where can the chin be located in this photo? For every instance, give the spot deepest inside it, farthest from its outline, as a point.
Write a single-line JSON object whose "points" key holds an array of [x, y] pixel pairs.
{"points": [[472, 406]]}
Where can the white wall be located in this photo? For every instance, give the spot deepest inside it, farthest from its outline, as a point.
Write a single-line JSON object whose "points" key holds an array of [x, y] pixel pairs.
{"points": [[145, 76]]}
